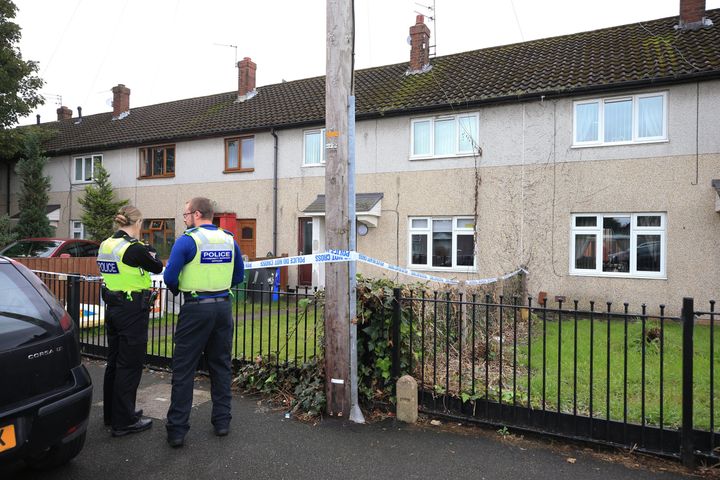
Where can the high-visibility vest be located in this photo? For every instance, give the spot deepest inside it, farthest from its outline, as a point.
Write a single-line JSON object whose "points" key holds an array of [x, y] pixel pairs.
{"points": [[211, 269], [118, 276]]}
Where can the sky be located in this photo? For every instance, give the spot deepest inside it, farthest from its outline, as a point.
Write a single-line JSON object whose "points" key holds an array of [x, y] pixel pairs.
{"points": [[166, 50]]}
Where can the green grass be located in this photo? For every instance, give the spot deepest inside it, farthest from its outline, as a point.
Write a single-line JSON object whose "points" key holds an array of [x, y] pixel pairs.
{"points": [[258, 335], [572, 360]]}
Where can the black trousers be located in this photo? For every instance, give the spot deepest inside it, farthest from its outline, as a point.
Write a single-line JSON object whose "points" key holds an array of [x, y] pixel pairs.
{"points": [[208, 328], [126, 326]]}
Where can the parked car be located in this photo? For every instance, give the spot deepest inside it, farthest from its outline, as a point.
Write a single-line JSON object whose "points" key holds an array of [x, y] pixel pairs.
{"points": [[45, 391], [51, 247]]}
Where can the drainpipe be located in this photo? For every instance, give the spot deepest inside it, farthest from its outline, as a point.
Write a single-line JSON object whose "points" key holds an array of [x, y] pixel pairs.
{"points": [[275, 191], [7, 200], [355, 412]]}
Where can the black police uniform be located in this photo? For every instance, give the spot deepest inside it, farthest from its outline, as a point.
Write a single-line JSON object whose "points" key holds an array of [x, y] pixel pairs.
{"points": [[126, 323]]}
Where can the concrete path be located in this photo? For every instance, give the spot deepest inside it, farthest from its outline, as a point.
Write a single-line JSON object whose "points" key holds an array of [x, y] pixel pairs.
{"points": [[264, 445]]}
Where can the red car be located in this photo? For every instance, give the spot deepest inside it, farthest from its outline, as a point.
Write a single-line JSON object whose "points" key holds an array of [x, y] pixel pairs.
{"points": [[51, 247]]}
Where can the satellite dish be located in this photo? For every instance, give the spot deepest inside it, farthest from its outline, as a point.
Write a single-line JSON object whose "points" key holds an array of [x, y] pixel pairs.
{"points": [[409, 40], [362, 229], [108, 102]]}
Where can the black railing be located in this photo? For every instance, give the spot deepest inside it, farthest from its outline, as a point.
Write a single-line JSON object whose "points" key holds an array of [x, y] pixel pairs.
{"points": [[600, 375], [271, 326], [643, 380]]}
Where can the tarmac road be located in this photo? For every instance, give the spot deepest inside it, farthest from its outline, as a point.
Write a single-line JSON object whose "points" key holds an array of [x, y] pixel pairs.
{"points": [[264, 445]]}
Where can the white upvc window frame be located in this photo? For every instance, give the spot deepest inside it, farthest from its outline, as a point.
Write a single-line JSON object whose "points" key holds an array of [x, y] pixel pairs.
{"points": [[635, 231], [428, 231], [314, 131], [456, 118], [86, 160], [635, 139], [75, 229]]}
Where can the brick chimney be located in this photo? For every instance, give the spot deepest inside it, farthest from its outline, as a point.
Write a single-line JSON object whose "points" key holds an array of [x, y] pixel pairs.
{"points": [[64, 113], [121, 100], [246, 79], [692, 15], [419, 45]]}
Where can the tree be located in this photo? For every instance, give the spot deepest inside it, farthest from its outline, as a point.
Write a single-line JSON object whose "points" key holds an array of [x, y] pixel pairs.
{"points": [[6, 234], [34, 188], [18, 83], [100, 206]]}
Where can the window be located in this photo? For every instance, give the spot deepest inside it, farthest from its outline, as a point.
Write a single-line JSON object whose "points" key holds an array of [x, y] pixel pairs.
{"points": [[622, 245], [240, 154], [157, 161], [443, 243], [314, 151], [77, 229], [621, 120], [444, 136], [160, 233], [85, 167]]}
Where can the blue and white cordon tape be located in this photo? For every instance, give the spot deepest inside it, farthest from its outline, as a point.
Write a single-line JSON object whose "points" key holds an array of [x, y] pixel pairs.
{"points": [[349, 256], [332, 256]]}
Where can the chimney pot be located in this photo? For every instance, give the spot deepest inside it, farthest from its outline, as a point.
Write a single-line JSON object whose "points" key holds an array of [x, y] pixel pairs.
{"points": [[63, 113], [121, 100], [79, 112], [246, 77], [37, 116], [419, 45]]}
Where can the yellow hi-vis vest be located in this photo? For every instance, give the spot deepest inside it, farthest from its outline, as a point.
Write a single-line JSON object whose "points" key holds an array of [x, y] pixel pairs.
{"points": [[118, 276], [211, 269]]}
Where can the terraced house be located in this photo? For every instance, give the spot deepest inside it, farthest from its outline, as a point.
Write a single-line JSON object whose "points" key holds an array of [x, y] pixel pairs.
{"points": [[592, 159]]}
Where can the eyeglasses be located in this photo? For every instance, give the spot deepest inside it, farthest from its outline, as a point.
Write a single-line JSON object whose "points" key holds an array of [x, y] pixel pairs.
{"points": [[188, 213]]}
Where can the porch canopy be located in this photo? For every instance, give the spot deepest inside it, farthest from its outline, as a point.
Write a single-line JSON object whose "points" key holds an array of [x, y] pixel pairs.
{"points": [[367, 208]]}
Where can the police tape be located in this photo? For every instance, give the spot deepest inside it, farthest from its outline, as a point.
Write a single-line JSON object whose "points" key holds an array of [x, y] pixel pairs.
{"points": [[332, 256]]}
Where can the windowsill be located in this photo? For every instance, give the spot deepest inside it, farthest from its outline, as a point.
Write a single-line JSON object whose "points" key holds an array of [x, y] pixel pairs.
{"points": [[441, 157], [618, 144], [314, 165], [81, 182], [156, 177], [619, 275], [238, 170], [425, 268]]}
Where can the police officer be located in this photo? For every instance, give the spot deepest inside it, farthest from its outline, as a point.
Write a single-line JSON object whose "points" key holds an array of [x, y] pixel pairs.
{"points": [[125, 263], [204, 263]]}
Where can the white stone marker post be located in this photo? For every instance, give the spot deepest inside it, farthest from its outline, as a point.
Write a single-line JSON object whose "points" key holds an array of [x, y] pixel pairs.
{"points": [[407, 399]]}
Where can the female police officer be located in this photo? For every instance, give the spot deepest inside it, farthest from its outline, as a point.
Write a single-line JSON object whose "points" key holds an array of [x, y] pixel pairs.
{"points": [[125, 263]]}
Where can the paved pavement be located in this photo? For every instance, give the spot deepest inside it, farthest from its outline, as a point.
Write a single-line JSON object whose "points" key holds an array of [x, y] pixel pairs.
{"points": [[263, 444]]}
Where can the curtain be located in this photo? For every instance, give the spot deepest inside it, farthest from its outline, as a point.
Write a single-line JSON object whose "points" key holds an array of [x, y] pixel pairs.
{"points": [[232, 153], [312, 148], [650, 117], [421, 138], [468, 128], [586, 122], [618, 121], [248, 153], [445, 137]]}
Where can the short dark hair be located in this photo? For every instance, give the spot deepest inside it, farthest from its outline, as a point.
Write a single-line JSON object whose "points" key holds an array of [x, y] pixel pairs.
{"points": [[202, 205]]}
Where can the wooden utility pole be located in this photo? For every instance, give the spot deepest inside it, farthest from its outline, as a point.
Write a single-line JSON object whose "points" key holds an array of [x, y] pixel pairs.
{"points": [[338, 79]]}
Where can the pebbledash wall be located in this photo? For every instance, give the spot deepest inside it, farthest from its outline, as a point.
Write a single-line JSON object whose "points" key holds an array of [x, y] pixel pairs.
{"points": [[529, 177]]}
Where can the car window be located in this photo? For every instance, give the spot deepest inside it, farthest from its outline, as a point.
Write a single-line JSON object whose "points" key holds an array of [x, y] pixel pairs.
{"points": [[24, 314], [17, 295], [28, 248], [88, 250], [71, 249]]}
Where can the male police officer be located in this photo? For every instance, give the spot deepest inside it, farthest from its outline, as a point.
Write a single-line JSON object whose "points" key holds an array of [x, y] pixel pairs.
{"points": [[204, 263]]}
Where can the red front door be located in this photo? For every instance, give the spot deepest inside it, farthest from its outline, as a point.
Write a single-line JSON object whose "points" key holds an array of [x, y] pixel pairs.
{"points": [[305, 248]]}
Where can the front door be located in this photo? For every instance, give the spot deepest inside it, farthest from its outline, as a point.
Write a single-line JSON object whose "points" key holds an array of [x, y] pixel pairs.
{"points": [[305, 248], [246, 237]]}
